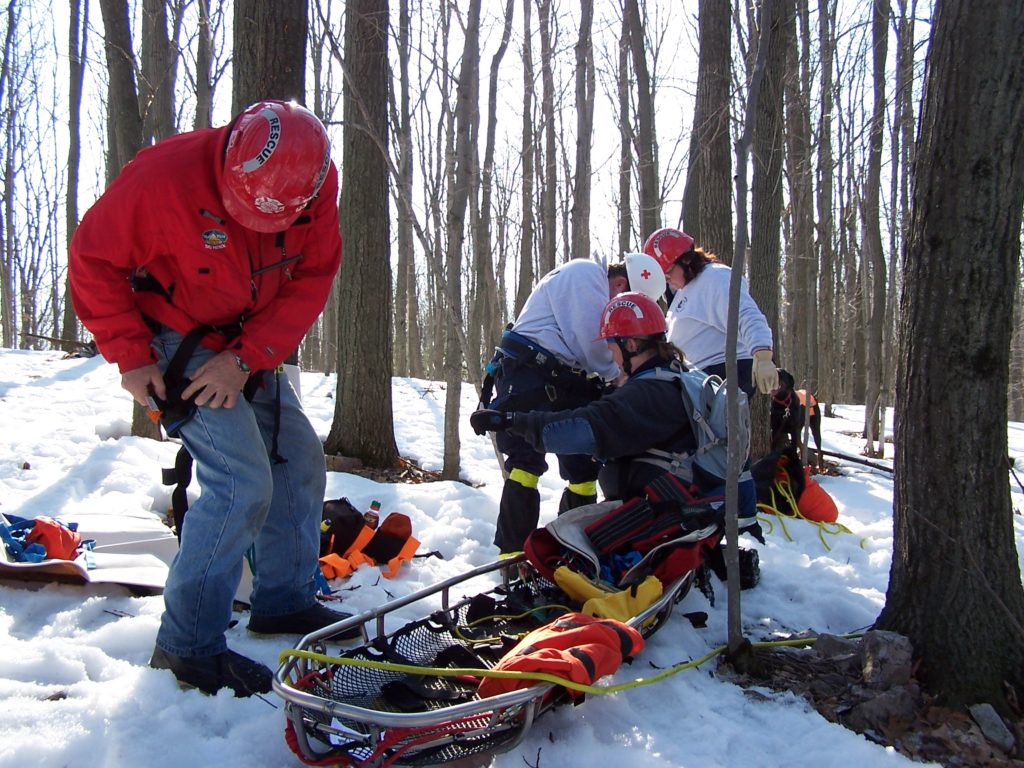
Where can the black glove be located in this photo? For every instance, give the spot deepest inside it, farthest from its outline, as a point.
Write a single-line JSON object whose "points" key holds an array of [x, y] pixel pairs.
{"points": [[490, 421]]}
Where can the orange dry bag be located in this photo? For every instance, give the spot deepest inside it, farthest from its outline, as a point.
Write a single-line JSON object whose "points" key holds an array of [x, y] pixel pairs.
{"points": [[815, 503]]}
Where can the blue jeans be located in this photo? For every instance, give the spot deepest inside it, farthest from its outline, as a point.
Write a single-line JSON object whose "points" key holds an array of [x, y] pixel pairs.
{"points": [[246, 499]]}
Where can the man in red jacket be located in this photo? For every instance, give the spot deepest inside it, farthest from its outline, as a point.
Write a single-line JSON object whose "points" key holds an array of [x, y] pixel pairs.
{"points": [[229, 236]]}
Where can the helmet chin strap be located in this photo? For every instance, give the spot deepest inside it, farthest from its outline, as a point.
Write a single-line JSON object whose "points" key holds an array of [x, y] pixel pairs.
{"points": [[627, 357]]}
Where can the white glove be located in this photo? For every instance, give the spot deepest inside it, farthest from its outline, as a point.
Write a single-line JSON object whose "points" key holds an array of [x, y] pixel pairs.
{"points": [[764, 373]]}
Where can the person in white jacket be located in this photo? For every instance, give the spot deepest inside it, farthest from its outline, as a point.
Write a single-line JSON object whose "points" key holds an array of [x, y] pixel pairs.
{"points": [[699, 310], [551, 358]]}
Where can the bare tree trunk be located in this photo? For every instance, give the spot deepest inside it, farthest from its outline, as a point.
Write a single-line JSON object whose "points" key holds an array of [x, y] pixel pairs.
{"points": [[269, 59], [874, 257], [647, 167], [363, 422], [125, 128], [826, 318], [7, 259], [767, 199], [123, 107], [158, 73], [467, 120], [487, 311], [77, 48], [526, 272], [1015, 392], [903, 128], [625, 145], [548, 177], [405, 277], [801, 271], [204, 64], [584, 133], [707, 207], [955, 582], [736, 458]]}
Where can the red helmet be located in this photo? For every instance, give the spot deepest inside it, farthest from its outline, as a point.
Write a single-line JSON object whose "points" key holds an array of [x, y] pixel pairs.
{"points": [[632, 314], [278, 155], [666, 245]]}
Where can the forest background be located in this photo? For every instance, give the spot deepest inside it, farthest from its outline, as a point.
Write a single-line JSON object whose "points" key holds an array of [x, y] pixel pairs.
{"points": [[481, 144]]}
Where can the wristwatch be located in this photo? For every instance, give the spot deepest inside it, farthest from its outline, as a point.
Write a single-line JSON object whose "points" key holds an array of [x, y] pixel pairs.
{"points": [[242, 366]]}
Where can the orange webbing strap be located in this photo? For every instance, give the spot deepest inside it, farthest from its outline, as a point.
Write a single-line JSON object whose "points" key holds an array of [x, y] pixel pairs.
{"points": [[338, 566], [335, 566], [404, 555]]}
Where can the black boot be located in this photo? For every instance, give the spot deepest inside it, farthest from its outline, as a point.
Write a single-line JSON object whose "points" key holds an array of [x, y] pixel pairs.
{"points": [[211, 673], [302, 622], [518, 514], [571, 500]]}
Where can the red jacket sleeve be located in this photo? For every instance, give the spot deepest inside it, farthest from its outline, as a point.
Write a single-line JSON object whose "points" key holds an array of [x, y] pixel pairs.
{"points": [[106, 248], [270, 335]]}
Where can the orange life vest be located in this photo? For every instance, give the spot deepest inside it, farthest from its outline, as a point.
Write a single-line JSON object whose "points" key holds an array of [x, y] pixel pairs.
{"points": [[575, 647]]}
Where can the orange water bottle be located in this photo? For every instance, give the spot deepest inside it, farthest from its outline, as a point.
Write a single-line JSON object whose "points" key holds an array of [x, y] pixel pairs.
{"points": [[372, 516]]}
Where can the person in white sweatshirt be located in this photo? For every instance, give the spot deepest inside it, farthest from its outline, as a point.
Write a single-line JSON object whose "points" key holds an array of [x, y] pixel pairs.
{"points": [[699, 310], [550, 359]]}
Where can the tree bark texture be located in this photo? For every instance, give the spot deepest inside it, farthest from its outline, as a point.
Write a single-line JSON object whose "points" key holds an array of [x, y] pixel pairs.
{"points": [[204, 67], [874, 257], [584, 133], [158, 73], [125, 128], [625, 228], [363, 425], [488, 310], [765, 251], [78, 23], [826, 325], [955, 583], [467, 122], [269, 59], [707, 201], [801, 263], [123, 108], [647, 163], [526, 270]]}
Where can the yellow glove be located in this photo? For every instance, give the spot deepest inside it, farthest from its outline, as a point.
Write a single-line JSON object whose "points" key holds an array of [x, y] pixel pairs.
{"points": [[604, 604], [764, 373], [626, 604], [576, 585]]}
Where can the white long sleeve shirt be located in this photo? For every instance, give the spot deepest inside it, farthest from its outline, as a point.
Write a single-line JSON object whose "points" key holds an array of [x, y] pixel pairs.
{"points": [[563, 315], [699, 313]]}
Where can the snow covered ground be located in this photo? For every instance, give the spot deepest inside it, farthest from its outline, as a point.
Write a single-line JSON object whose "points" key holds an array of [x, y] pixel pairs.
{"points": [[75, 688]]}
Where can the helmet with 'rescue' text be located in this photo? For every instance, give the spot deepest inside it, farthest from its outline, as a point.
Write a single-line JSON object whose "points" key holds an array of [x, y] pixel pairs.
{"points": [[277, 157], [645, 275], [666, 245], [632, 314]]}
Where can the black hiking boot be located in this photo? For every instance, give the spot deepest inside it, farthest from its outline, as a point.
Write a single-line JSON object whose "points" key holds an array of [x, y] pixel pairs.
{"points": [[211, 673], [302, 622]]}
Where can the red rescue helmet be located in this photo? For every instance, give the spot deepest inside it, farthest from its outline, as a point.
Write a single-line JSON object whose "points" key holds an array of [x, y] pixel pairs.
{"points": [[277, 157], [632, 314], [666, 245]]}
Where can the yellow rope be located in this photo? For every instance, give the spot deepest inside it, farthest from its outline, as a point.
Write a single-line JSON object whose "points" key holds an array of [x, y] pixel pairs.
{"points": [[540, 677], [785, 490], [511, 617]]}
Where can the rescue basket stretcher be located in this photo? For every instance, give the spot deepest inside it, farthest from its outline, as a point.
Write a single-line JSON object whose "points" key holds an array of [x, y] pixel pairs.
{"points": [[370, 706]]}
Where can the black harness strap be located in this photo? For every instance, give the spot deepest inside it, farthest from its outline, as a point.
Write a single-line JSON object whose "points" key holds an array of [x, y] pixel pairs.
{"points": [[180, 475], [565, 387]]}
